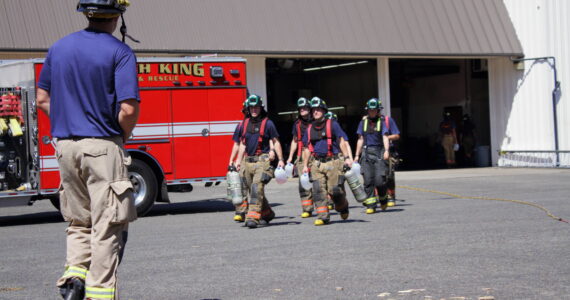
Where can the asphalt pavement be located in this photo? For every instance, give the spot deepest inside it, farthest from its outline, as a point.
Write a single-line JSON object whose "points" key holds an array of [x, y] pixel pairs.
{"points": [[430, 246]]}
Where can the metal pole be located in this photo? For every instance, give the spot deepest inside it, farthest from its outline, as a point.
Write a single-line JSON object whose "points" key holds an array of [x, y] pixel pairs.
{"points": [[555, 93]]}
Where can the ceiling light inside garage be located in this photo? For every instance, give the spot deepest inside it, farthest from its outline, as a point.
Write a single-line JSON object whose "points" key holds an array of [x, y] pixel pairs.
{"points": [[336, 66]]}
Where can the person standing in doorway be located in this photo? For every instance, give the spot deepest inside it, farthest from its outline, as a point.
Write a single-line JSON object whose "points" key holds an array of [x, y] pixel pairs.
{"points": [[448, 139], [89, 89], [468, 139]]}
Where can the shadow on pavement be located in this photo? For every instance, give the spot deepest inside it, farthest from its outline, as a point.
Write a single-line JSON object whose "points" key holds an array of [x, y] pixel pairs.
{"points": [[190, 207], [31, 219], [390, 210], [348, 221], [271, 224]]}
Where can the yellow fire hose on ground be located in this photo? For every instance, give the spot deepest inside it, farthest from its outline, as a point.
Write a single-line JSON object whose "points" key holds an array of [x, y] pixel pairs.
{"points": [[485, 198]]}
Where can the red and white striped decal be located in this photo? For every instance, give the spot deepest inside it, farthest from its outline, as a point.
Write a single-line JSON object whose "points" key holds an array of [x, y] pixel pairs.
{"points": [[182, 129], [162, 131]]}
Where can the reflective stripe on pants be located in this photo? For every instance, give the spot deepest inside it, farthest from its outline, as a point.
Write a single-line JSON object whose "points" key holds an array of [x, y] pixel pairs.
{"points": [[99, 293]]}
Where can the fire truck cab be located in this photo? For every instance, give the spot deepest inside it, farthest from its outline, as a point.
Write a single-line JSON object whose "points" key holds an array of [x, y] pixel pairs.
{"points": [[190, 108]]}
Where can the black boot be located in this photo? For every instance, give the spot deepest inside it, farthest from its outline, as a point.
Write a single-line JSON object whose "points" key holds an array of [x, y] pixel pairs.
{"points": [[251, 224], [74, 289], [267, 217]]}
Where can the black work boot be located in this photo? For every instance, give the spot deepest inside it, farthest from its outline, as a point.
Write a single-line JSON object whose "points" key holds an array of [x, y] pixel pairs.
{"points": [[74, 289], [251, 224], [267, 218]]}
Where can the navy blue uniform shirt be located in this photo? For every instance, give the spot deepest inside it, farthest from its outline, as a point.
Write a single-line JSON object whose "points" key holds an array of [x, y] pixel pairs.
{"points": [[251, 139], [87, 74], [320, 147], [393, 127], [236, 135], [373, 138], [303, 131]]}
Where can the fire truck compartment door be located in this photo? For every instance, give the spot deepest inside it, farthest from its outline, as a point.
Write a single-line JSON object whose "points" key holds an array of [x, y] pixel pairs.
{"points": [[154, 125], [224, 106], [191, 132]]}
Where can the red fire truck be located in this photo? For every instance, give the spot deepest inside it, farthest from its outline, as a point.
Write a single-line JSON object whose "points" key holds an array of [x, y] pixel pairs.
{"points": [[189, 110]]}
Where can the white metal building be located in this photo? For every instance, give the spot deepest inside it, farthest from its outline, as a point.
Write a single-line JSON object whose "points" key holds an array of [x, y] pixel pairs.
{"points": [[521, 99]]}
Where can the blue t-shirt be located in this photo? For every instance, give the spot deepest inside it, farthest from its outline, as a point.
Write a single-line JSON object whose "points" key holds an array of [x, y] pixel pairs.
{"points": [[87, 74], [251, 139], [447, 126], [303, 130], [236, 135], [320, 147], [393, 127], [373, 138]]}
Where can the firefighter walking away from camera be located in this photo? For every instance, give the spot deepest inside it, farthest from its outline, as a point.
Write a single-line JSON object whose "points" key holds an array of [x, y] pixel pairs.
{"points": [[374, 146], [299, 130], [323, 140], [260, 145], [88, 87], [448, 138]]}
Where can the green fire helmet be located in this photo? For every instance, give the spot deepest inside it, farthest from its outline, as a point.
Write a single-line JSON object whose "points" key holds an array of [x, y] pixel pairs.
{"points": [[317, 102], [374, 103], [254, 100], [303, 102], [331, 116]]}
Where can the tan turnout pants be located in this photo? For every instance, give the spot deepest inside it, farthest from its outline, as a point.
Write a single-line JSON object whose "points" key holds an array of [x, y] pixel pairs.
{"points": [[328, 181], [254, 176], [447, 144], [242, 208], [306, 196], [96, 199]]}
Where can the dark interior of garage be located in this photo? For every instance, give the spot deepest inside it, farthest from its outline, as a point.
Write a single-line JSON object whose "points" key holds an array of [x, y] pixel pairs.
{"points": [[421, 90], [345, 84]]}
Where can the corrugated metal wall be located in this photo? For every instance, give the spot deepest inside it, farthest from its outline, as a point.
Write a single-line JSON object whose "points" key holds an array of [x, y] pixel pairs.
{"points": [[521, 101]]}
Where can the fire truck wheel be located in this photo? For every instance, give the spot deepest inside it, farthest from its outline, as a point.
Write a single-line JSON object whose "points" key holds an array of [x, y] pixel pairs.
{"points": [[145, 186]]}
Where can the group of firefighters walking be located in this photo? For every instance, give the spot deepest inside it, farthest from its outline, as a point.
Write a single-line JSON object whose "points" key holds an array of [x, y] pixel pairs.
{"points": [[93, 108], [323, 153]]}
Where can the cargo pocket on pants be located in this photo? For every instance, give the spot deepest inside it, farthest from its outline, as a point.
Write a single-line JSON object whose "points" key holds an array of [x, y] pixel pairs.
{"points": [[122, 202], [63, 206], [267, 175]]}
